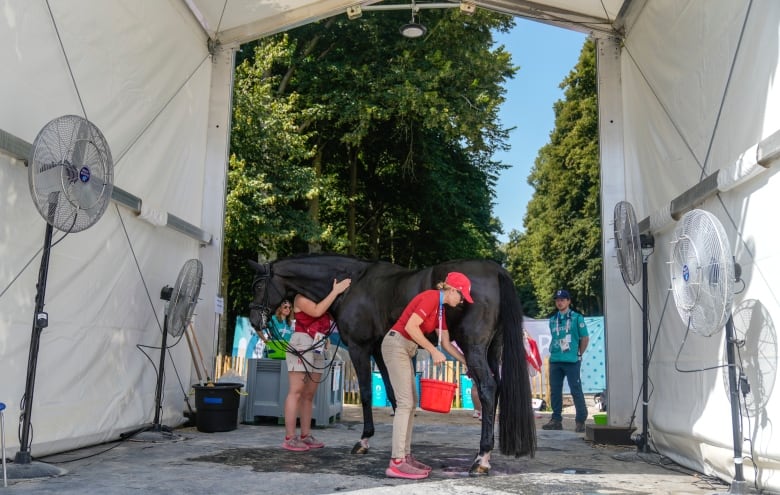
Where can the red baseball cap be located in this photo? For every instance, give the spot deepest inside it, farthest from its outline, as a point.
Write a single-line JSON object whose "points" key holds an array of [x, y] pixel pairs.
{"points": [[461, 282]]}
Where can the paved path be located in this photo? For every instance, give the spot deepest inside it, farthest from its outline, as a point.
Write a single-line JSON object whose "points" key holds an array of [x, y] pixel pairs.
{"points": [[249, 460]]}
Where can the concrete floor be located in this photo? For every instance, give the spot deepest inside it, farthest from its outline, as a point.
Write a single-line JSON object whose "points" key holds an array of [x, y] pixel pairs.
{"points": [[250, 460]]}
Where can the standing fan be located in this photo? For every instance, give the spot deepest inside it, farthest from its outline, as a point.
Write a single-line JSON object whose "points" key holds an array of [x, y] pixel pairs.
{"points": [[179, 308], [70, 175], [629, 245], [703, 274]]}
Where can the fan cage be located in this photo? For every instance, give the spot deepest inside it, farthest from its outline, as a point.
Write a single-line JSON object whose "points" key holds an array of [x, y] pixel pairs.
{"points": [[70, 173], [184, 296], [627, 243], [702, 272]]}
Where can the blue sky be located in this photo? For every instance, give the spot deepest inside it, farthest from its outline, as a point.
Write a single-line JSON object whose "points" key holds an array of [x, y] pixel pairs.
{"points": [[545, 55]]}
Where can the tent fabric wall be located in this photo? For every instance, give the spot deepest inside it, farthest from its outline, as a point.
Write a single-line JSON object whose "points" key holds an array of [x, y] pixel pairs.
{"points": [[685, 92], [142, 72], [699, 89]]}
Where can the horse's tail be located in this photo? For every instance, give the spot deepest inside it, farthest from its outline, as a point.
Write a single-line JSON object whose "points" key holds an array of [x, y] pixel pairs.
{"points": [[516, 424]]}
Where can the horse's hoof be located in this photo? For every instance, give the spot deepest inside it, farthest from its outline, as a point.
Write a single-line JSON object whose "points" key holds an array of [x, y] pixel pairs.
{"points": [[359, 448], [478, 470]]}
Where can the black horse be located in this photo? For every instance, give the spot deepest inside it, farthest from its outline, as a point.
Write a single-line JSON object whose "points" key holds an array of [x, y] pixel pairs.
{"points": [[489, 332]]}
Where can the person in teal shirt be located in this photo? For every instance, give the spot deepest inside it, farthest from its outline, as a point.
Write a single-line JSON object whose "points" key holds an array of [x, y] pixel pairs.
{"points": [[282, 322], [280, 328], [569, 341]]}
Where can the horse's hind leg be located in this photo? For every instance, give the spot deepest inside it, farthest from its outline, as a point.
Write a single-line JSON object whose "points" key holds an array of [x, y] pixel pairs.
{"points": [[484, 377], [362, 363]]}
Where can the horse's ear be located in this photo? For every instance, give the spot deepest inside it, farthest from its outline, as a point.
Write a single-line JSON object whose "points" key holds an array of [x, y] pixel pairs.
{"points": [[257, 266]]}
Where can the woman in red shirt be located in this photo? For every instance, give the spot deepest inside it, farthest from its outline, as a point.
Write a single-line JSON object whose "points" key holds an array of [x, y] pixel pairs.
{"points": [[305, 365], [423, 315]]}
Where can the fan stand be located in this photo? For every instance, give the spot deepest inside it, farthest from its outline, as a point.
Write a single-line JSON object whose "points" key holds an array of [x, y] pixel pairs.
{"points": [[738, 484], [643, 443], [643, 452], [23, 466], [156, 431]]}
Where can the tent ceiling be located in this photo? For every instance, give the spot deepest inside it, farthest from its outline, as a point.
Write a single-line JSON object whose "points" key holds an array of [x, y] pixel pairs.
{"points": [[240, 21]]}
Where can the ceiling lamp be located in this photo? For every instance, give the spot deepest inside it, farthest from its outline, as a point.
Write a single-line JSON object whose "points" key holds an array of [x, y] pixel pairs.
{"points": [[413, 29]]}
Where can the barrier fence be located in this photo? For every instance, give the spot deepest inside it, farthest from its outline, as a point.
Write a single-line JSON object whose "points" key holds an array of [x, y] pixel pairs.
{"points": [[451, 371]]}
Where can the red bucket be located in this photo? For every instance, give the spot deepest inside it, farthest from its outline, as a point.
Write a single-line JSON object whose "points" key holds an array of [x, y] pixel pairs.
{"points": [[436, 395]]}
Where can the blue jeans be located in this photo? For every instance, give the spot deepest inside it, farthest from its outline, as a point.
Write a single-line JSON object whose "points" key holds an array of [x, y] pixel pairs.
{"points": [[570, 371]]}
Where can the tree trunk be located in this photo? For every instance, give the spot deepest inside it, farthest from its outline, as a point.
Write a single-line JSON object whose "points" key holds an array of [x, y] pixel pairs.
{"points": [[314, 203], [352, 214]]}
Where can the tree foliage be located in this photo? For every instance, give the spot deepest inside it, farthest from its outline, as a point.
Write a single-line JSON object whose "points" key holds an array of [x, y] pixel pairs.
{"points": [[561, 245], [350, 138]]}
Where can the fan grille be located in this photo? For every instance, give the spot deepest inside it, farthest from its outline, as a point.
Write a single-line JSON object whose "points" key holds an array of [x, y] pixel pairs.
{"points": [[755, 329], [627, 246], [70, 173], [702, 272], [184, 296]]}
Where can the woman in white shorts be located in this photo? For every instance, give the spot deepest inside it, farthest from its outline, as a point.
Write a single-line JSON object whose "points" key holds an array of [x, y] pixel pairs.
{"points": [[305, 365]]}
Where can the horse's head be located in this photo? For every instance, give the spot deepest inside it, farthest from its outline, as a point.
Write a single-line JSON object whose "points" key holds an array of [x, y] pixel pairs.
{"points": [[311, 275], [267, 295]]}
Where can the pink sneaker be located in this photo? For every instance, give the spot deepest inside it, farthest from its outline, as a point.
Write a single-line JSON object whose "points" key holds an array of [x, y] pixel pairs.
{"points": [[404, 470], [295, 444], [417, 464], [312, 442]]}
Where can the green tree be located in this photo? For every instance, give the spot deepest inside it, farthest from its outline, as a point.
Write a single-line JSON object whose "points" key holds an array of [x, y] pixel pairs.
{"points": [[350, 138], [404, 130], [518, 263], [562, 241]]}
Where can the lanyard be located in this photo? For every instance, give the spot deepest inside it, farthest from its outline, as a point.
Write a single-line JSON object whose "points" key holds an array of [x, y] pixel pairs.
{"points": [[558, 323], [441, 312]]}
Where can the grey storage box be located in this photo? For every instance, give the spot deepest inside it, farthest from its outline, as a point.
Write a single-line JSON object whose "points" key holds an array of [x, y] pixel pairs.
{"points": [[267, 385]]}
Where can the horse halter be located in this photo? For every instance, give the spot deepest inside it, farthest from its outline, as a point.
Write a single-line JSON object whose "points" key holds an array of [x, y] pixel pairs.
{"points": [[260, 310]]}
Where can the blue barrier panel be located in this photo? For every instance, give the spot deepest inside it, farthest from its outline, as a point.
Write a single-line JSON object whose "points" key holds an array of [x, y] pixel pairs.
{"points": [[465, 392], [378, 396]]}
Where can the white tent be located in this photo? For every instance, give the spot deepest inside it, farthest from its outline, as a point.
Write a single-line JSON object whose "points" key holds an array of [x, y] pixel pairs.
{"points": [[688, 97]]}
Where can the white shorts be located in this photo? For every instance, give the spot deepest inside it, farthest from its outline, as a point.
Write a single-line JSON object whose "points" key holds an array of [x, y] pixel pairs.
{"points": [[311, 361]]}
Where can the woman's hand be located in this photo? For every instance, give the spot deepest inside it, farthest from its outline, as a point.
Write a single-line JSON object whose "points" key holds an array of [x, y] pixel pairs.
{"points": [[437, 356], [340, 287]]}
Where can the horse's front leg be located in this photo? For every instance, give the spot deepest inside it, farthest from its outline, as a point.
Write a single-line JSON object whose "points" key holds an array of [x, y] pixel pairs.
{"points": [[483, 378], [362, 364]]}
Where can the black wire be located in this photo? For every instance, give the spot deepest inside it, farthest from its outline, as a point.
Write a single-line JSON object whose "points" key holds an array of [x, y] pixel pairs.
{"points": [[284, 344], [679, 351], [154, 312], [67, 61], [115, 445], [221, 14], [726, 89]]}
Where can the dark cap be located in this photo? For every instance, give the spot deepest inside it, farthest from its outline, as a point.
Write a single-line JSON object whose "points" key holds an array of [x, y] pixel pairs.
{"points": [[561, 294]]}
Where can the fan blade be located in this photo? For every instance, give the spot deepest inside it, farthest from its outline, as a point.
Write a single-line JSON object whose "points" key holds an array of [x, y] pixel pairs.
{"points": [[185, 296], [70, 156], [702, 272]]}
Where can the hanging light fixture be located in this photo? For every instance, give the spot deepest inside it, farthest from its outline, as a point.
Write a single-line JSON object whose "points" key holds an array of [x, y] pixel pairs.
{"points": [[413, 29]]}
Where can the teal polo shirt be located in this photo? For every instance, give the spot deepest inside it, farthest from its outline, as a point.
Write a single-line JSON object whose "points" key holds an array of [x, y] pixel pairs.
{"points": [[566, 330]]}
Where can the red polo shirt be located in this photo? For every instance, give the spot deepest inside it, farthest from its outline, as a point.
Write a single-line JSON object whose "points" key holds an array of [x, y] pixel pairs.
{"points": [[425, 304]]}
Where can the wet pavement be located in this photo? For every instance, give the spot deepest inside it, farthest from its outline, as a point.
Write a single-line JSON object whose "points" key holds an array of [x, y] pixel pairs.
{"points": [[249, 459]]}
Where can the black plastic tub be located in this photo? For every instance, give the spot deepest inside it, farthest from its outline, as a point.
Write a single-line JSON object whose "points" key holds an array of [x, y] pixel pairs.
{"points": [[217, 407]]}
